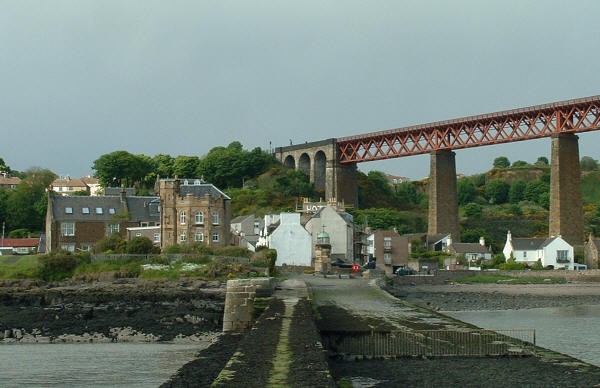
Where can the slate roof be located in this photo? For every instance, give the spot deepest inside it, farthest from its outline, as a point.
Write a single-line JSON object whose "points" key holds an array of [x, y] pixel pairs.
{"points": [[469, 248], [104, 208], [116, 191], [200, 189], [68, 182], [530, 244]]}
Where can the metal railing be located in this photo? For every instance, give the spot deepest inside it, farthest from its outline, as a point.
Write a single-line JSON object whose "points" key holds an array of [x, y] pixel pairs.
{"points": [[170, 258], [432, 343]]}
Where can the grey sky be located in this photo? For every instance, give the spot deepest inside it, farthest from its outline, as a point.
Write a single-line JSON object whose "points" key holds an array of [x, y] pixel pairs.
{"points": [[83, 78]]}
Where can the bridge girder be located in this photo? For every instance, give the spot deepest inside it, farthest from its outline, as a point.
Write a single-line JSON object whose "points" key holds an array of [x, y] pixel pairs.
{"points": [[579, 115]]}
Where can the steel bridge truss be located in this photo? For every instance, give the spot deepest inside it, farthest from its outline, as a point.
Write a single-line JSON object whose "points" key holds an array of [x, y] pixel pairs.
{"points": [[580, 115]]}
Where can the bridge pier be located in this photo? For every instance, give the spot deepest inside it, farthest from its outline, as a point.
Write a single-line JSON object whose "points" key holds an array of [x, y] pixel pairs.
{"points": [[566, 199], [443, 200]]}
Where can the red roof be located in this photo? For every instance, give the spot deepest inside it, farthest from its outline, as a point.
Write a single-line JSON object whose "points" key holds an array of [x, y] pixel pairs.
{"points": [[20, 242]]}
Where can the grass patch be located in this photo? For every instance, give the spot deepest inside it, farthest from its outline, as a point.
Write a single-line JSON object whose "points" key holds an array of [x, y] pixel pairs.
{"points": [[19, 267]]}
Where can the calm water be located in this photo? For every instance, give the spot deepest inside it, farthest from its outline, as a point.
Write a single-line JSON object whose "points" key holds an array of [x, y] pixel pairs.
{"points": [[569, 330], [92, 365]]}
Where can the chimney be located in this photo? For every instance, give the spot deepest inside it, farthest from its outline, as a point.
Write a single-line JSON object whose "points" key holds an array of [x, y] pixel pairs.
{"points": [[123, 194], [482, 241]]}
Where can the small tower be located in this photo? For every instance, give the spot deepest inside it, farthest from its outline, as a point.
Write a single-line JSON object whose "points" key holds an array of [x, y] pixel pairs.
{"points": [[323, 253]]}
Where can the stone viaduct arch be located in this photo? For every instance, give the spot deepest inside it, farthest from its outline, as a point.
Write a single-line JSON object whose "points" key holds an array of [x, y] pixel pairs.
{"points": [[320, 161]]}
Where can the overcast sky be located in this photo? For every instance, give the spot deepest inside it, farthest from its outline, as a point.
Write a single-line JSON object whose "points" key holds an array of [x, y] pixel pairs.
{"points": [[79, 79]]}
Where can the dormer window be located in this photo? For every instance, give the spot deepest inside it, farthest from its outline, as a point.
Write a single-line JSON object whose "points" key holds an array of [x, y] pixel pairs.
{"points": [[85, 210], [99, 210], [69, 210], [111, 210]]}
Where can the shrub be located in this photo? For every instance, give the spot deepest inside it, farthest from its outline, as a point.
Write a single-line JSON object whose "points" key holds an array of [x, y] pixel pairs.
{"points": [[57, 265], [140, 245]]}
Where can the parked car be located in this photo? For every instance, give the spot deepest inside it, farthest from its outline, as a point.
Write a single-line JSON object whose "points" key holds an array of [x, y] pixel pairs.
{"points": [[369, 265], [340, 263], [402, 271]]}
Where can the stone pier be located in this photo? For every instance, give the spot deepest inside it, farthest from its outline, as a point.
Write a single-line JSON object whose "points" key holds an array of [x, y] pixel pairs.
{"points": [[443, 201], [566, 200], [239, 301]]}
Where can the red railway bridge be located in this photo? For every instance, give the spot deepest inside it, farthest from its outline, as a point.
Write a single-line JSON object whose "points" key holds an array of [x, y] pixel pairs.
{"points": [[331, 164]]}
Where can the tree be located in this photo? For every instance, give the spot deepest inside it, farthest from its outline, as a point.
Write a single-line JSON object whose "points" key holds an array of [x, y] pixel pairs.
{"points": [[496, 191], [293, 183], [185, 166], [517, 191], [542, 161], [466, 191], [120, 168], [4, 167], [406, 192], [588, 164], [164, 165], [535, 189], [520, 164], [231, 166], [473, 210], [26, 205], [501, 162]]}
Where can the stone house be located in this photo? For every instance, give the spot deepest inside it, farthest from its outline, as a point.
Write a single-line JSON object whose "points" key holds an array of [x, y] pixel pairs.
{"points": [[339, 226], [591, 251], [245, 231], [292, 241], [77, 223], [193, 211], [552, 251], [389, 250], [150, 232]]}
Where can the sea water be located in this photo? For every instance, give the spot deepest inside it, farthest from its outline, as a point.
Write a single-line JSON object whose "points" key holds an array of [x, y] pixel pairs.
{"points": [[92, 365], [570, 330]]}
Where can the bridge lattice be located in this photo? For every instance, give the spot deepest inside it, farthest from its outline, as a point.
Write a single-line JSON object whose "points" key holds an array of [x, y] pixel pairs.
{"points": [[579, 115]]}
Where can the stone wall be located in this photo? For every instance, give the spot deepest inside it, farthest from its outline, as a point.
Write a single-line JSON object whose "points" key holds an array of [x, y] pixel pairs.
{"points": [[239, 301]]}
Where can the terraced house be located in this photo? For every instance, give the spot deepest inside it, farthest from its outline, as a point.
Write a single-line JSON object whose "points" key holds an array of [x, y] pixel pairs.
{"points": [[193, 211], [76, 223]]}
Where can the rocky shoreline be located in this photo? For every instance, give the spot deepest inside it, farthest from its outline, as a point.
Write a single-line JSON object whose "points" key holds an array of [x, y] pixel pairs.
{"points": [[124, 310]]}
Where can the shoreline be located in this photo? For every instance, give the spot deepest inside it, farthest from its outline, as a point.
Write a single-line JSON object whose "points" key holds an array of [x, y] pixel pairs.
{"points": [[473, 297]]}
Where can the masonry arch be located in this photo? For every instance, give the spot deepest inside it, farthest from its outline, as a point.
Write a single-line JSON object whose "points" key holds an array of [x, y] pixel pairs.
{"points": [[304, 164], [319, 169], [289, 162]]}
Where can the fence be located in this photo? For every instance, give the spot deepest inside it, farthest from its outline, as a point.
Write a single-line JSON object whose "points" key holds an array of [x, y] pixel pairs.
{"points": [[431, 343]]}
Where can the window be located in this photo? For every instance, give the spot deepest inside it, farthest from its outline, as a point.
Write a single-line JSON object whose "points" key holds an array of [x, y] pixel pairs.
{"points": [[67, 229], [182, 217], [156, 237], [99, 210], [68, 247], [199, 236], [387, 258], [387, 242], [215, 218], [525, 254], [85, 210], [215, 237], [111, 210], [87, 246], [143, 224], [138, 234], [562, 256], [113, 228], [199, 217], [182, 236], [69, 210]]}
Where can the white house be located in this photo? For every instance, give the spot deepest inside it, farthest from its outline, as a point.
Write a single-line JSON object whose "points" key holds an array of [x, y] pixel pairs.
{"points": [[552, 251], [340, 227], [292, 242]]}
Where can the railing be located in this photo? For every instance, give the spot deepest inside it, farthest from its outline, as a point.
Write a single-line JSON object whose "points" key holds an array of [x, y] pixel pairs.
{"points": [[432, 343]]}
